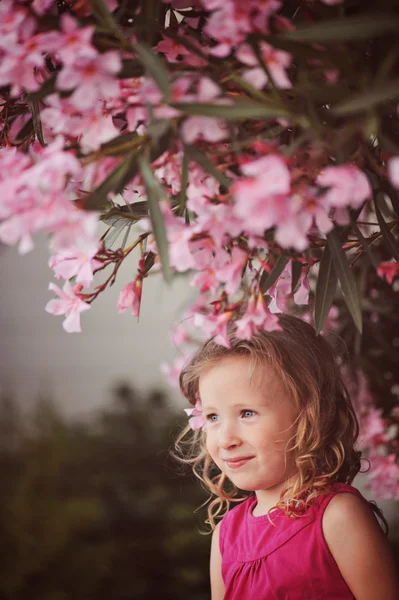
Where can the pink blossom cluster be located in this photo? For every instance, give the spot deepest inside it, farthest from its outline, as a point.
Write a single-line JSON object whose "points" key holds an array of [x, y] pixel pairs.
{"points": [[379, 438]]}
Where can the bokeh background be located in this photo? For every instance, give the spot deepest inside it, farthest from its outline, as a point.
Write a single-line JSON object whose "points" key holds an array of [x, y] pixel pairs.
{"points": [[92, 506]]}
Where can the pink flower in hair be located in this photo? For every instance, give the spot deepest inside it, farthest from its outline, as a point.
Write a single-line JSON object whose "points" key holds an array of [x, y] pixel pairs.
{"points": [[197, 419]]}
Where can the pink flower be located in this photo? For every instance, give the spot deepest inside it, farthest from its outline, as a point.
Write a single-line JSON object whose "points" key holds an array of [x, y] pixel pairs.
{"points": [[256, 317], [197, 419], [393, 171], [372, 428], [130, 296], [348, 186], [75, 262], [231, 273], [281, 291], [70, 303], [75, 41], [383, 477], [203, 128], [277, 62], [261, 198], [388, 270], [214, 325], [92, 78], [172, 372]]}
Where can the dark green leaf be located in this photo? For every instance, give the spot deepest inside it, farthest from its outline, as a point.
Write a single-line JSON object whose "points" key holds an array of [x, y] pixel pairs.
{"points": [[47, 88], [346, 279], [154, 194], [158, 129], [268, 279], [326, 287], [115, 230], [208, 166], [115, 182], [155, 67], [236, 111], [184, 181], [121, 144], [37, 124], [104, 17], [365, 246], [389, 240], [131, 213], [366, 99], [362, 27], [296, 270]]}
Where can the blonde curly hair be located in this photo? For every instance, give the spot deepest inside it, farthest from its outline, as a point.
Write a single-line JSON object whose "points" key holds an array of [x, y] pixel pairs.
{"points": [[326, 426]]}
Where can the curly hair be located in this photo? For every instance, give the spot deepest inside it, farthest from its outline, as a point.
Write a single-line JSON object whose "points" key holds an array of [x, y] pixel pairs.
{"points": [[326, 429]]}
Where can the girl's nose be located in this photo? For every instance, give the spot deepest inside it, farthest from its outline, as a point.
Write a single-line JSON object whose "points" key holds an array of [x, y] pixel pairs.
{"points": [[228, 436]]}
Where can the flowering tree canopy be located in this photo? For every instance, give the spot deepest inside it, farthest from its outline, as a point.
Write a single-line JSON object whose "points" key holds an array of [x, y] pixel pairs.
{"points": [[255, 144]]}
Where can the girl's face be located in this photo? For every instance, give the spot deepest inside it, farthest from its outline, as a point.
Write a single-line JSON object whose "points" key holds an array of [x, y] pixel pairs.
{"points": [[248, 423]]}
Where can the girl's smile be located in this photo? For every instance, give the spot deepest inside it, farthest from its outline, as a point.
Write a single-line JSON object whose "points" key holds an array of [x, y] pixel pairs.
{"points": [[249, 423]]}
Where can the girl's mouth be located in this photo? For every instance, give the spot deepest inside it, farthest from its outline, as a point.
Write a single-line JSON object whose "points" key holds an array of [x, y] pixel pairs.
{"points": [[236, 464]]}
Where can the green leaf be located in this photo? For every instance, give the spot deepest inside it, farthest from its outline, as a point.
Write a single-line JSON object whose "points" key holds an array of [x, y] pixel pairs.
{"points": [[115, 182], [389, 240], [296, 270], [326, 287], [365, 100], [114, 231], [268, 279], [232, 112], [37, 124], [155, 67], [362, 27], [208, 166], [365, 246], [154, 194], [121, 144], [130, 213], [104, 17], [346, 279], [184, 181], [47, 88]]}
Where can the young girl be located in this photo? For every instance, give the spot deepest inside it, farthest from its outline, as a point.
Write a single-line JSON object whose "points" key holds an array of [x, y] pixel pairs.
{"points": [[273, 419]]}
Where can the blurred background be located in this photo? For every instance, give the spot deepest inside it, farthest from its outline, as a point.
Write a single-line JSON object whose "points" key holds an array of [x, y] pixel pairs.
{"points": [[92, 506]]}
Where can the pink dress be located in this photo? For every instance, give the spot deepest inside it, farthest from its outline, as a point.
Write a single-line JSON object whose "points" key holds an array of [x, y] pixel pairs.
{"points": [[288, 562]]}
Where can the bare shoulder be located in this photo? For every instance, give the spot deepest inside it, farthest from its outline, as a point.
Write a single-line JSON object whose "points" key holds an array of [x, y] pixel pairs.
{"points": [[360, 548], [217, 584]]}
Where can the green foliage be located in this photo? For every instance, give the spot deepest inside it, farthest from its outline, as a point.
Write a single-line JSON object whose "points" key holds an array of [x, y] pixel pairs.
{"points": [[98, 510]]}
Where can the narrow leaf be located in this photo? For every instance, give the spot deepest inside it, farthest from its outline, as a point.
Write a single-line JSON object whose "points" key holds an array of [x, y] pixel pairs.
{"points": [[104, 17], [37, 124], [326, 287], [362, 27], [208, 166], [183, 181], [115, 182], [346, 279], [365, 100], [268, 279], [232, 112], [47, 88], [389, 240], [131, 213], [365, 246], [155, 67], [154, 194], [296, 270]]}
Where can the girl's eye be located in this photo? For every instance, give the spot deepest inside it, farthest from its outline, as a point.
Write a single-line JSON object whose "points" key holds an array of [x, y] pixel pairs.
{"points": [[248, 413], [212, 418]]}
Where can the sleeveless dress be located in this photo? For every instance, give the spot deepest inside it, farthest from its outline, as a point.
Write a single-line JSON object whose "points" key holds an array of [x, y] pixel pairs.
{"points": [[288, 562]]}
